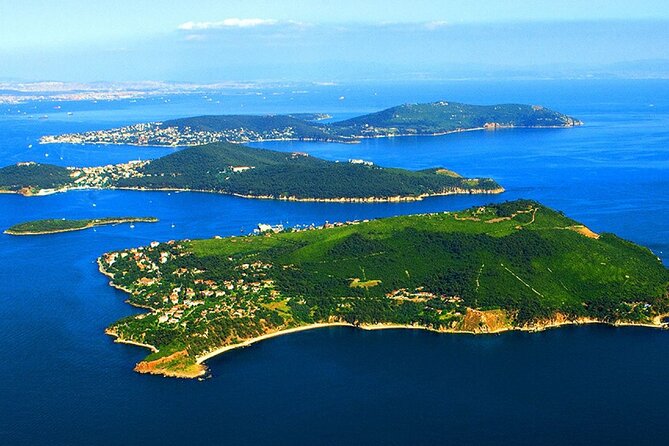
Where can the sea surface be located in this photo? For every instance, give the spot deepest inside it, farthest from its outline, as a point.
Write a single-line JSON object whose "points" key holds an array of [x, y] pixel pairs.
{"points": [[63, 381]]}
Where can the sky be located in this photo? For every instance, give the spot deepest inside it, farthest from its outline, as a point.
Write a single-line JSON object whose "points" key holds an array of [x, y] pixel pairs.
{"points": [[210, 41]]}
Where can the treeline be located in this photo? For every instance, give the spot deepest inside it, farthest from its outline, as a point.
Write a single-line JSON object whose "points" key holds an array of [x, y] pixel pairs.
{"points": [[33, 175]]}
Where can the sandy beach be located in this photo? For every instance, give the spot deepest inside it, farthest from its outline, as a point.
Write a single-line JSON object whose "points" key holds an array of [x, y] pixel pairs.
{"points": [[200, 359], [537, 328]]}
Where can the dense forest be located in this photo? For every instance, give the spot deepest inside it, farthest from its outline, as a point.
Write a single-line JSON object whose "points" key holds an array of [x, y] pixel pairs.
{"points": [[280, 174], [33, 176], [238, 169], [441, 117]]}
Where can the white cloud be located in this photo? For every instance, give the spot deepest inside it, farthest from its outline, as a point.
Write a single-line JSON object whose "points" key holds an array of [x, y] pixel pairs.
{"points": [[436, 24], [227, 23]]}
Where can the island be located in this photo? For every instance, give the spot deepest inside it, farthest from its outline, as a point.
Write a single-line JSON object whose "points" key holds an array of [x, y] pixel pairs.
{"points": [[436, 118], [55, 225], [511, 266], [248, 172]]}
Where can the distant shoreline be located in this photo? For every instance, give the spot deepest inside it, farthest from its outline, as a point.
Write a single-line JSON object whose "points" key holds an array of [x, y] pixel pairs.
{"points": [[352, 140], [398, 198]]}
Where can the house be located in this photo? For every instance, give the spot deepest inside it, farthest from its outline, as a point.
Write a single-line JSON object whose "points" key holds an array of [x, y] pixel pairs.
{"points": [[359, 161], [262, 228]]}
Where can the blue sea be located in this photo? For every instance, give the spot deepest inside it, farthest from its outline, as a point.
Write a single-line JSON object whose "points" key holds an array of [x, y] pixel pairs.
{"points": [[63, 381]]}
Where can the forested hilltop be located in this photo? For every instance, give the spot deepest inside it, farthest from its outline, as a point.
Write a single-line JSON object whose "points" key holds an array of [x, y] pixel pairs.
{"points": [[32, 177], [486, 269], [434, 118], [253, 173], [444, 117]]}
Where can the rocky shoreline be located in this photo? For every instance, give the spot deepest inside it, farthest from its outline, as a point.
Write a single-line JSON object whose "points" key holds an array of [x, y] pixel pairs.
{"points": [[475, 322], [200, 369]]}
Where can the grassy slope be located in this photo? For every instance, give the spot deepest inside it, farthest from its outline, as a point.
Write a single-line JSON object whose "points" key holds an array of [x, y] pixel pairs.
{"points": [[530, 267], [427, 246]]}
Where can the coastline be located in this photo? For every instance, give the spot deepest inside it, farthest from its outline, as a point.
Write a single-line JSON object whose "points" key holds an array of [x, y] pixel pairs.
{"points": [[394, 199], [112, 284], [381, 326], [344, 140], [473, 322], [200, 359], [55, 231], [558, 321], [119, 340]]}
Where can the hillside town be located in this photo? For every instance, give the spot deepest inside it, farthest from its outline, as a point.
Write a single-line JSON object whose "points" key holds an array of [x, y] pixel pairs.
{"points": [[186, 296], [159, 278], [156, 134], [106, 176]]}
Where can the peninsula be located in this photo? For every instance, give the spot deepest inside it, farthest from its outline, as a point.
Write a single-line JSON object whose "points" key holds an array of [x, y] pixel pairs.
{"points": [[515, 265], [436, 118], [252, 173], [55, 225]]}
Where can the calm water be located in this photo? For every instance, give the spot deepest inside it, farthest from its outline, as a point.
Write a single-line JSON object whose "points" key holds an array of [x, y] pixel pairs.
{"points": [[64, 382]]}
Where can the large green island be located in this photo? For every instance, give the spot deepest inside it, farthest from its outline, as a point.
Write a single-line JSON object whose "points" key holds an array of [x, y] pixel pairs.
{"points": [[248, 172], [56, 225], [516, 265], [435, 118]]}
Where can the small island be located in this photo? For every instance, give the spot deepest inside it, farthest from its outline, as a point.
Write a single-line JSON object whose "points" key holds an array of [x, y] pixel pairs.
{"points": [[511, 266], [55, 225], [248, 172], [429, 119]]}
